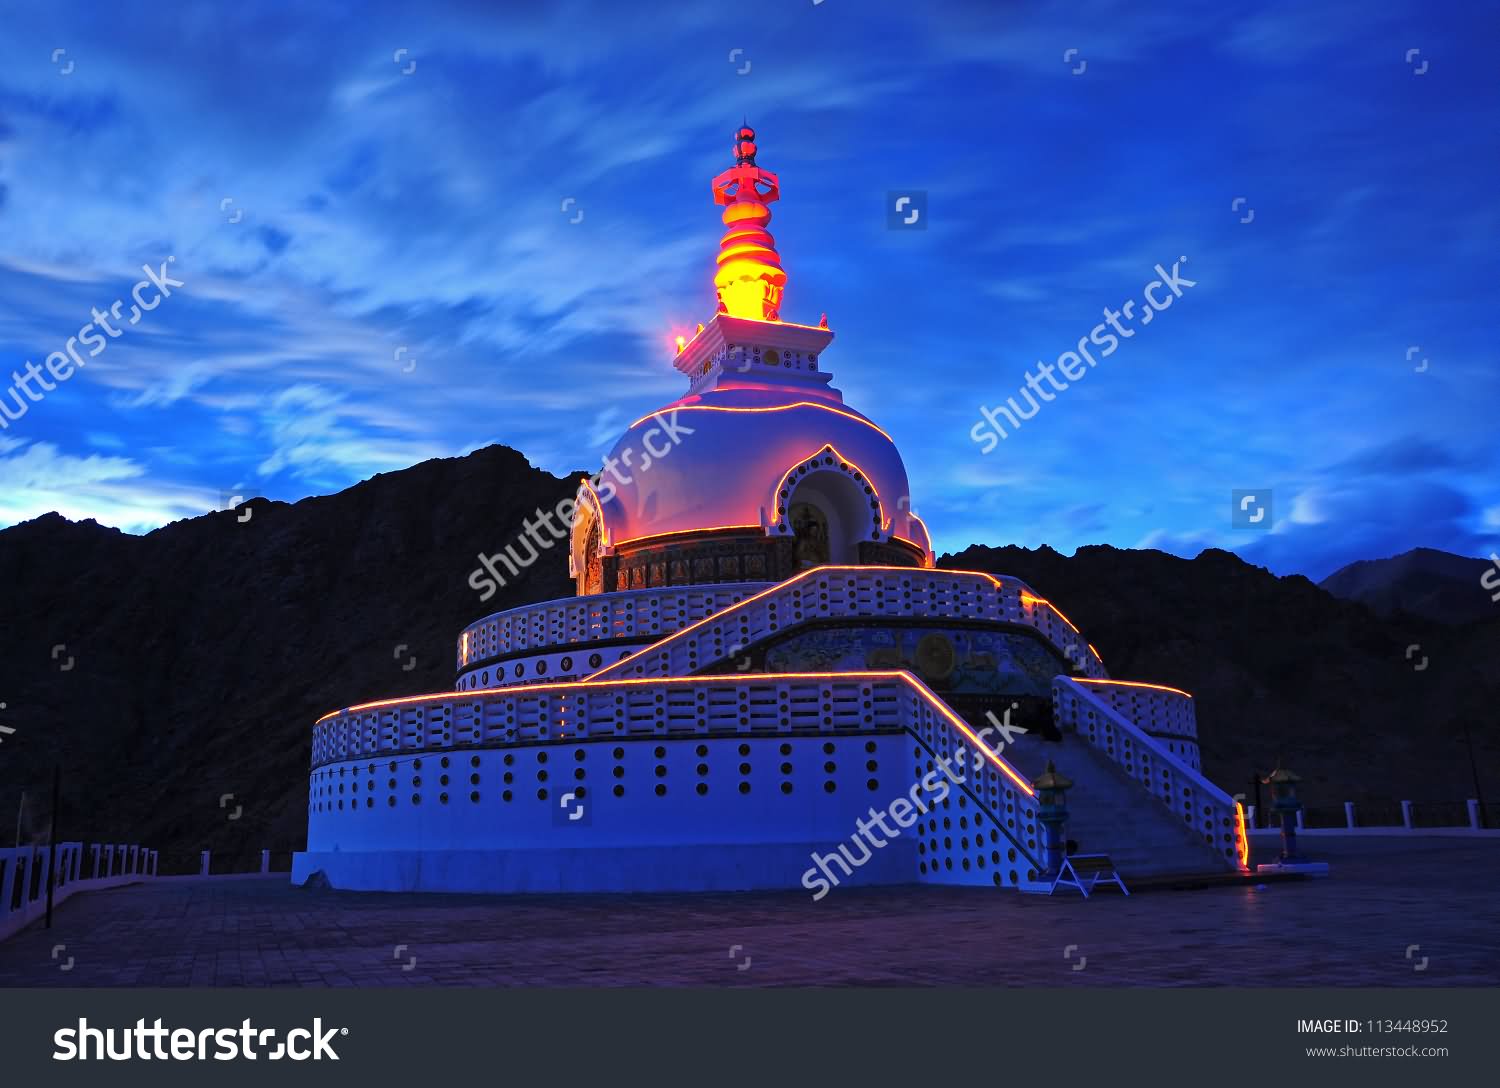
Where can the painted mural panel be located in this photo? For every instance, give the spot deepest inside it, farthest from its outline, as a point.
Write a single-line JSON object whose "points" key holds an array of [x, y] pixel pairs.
{"points": [[962, 662]]}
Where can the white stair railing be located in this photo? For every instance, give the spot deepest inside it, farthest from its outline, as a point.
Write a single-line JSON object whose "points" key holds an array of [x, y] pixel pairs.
{"points": [[828, 593], [1085, 709]]}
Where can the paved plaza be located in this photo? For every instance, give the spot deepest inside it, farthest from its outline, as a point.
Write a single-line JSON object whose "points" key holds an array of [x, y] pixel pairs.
{"points": [[1432, 896]]}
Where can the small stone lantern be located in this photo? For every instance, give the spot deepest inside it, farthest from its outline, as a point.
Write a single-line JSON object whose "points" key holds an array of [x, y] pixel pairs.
{"points": [[1052, 811]]}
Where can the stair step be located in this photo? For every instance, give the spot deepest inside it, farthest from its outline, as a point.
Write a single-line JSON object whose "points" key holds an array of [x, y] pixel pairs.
{"points": [[1110, 812]]}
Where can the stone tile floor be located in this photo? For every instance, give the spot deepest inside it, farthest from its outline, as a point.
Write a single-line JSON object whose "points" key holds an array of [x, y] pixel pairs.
{"points": [[1352, 929]]}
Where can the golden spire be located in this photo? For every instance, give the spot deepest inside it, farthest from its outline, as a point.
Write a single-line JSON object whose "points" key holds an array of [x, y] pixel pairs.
{"points": [[750, 278]]}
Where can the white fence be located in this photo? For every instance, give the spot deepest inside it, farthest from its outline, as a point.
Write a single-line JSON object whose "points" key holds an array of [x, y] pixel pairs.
{"points": [[24, 876]]}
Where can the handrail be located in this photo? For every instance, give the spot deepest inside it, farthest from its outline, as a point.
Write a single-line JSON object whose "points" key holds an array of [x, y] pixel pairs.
{"points": [[1184, 790], [598, 617], [851, 592], [27, 872]]}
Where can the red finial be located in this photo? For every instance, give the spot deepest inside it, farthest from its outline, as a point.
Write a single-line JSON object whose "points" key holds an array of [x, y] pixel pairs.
{"points": [[744, 146]]}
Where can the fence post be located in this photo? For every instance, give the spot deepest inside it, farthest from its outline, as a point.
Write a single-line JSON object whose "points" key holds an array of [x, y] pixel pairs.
{"points": [[1250, 816], [1406, 815], [1349, 814], [203, 864], [7, 876], [1474, 814], [1299, 820], [265, 861]]}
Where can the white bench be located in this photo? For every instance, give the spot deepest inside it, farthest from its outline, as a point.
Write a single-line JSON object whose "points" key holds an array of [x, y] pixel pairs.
{"points": [[1084, 871]]}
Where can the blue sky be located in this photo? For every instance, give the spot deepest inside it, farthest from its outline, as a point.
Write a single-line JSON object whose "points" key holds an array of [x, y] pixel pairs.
{"points": [[326, 210]]}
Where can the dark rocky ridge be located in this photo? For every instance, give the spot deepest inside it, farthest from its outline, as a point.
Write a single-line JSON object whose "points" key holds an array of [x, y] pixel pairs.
{"points": [[1421, 582], [205, 650], [1279, 668]]}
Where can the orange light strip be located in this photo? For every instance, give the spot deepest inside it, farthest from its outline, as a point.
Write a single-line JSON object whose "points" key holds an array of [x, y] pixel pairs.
{"points": [[776, 491], [1243, 846], [587, 488], [1132, 684], [963, 727], [527, 689], [1095, 653], [772, 408], [683, 631], [686, 532], [1027, 598]]}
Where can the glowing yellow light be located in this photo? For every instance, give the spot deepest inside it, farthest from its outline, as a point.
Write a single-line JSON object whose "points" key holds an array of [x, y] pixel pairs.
{"points": [[1242, 846], [681, 343]]}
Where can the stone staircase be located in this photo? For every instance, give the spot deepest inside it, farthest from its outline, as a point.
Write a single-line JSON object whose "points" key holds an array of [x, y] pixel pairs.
{"points": [[1110, 813]]}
